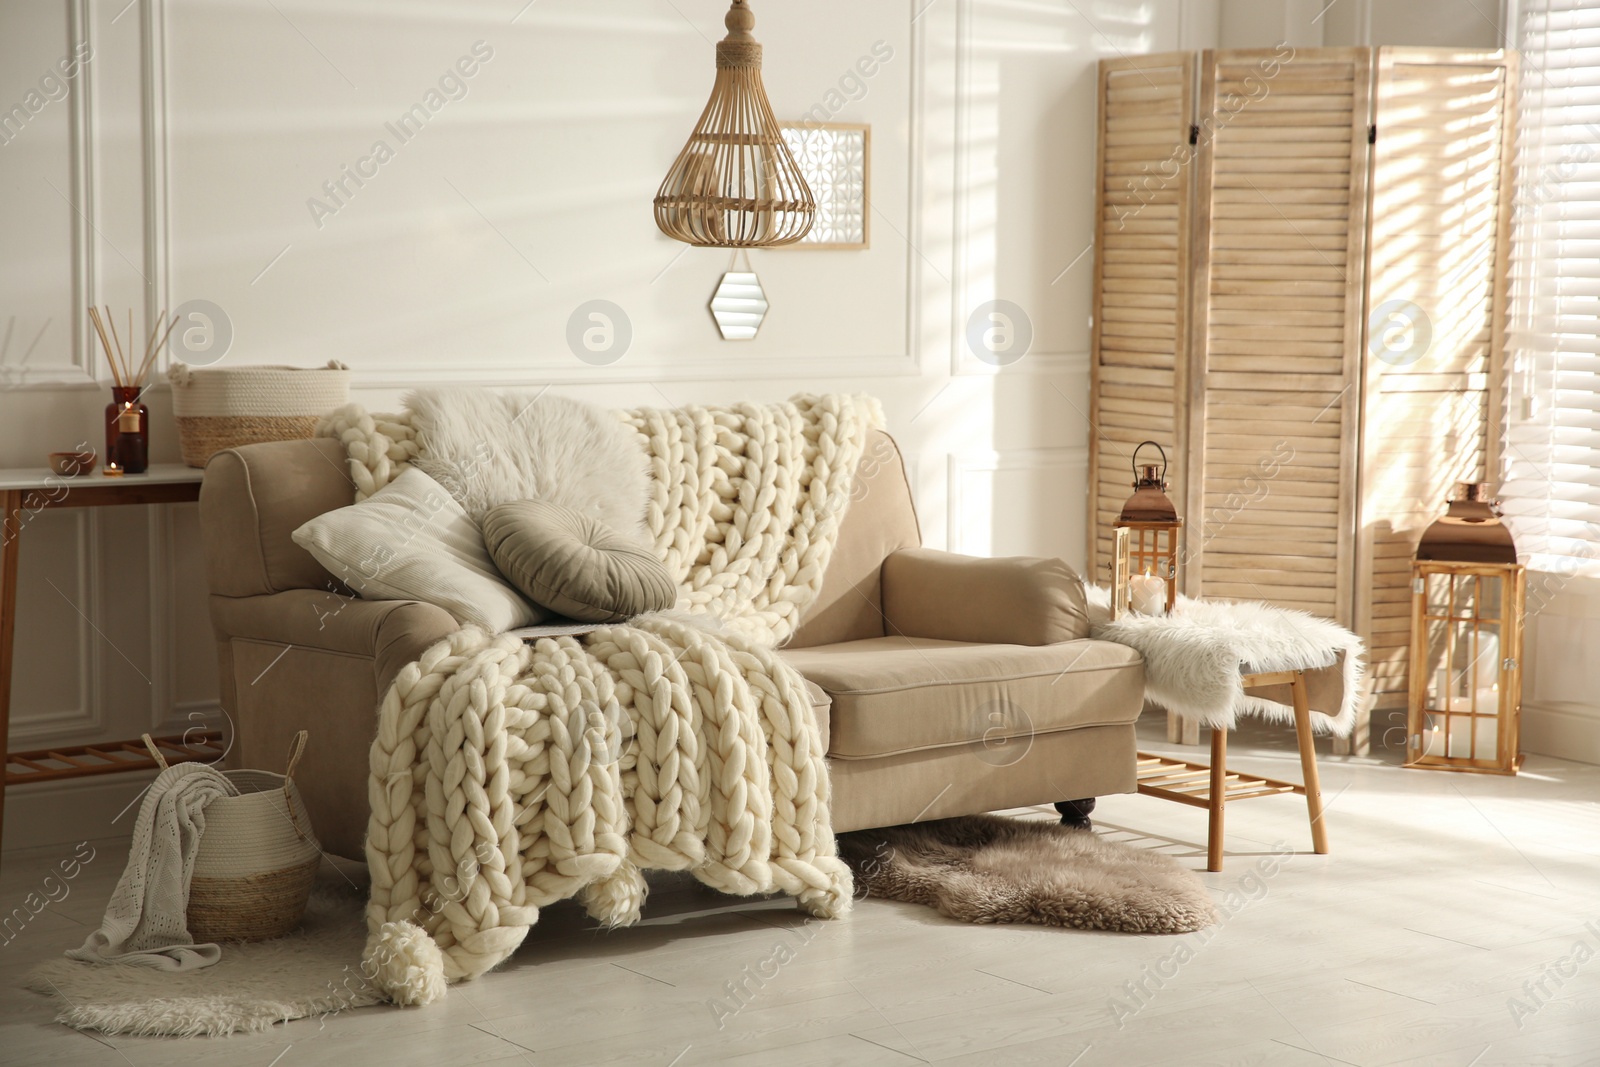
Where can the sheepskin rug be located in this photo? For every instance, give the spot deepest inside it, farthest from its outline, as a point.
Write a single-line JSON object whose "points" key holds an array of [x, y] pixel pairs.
{"points": [[990, 869], [1195, 658], [316, 970], [488, 448]]}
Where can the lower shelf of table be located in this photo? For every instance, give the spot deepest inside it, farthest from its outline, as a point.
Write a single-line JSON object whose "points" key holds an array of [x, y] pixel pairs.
{"points": [[1190, 783], [111, 757]]}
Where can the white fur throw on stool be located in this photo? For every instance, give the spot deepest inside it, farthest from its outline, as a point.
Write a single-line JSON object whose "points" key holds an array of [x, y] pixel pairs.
{"points": [[505, 777], [1195, 657]]}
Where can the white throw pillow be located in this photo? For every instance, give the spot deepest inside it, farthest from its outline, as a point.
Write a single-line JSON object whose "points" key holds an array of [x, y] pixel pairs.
{"points": [[411, 541]]}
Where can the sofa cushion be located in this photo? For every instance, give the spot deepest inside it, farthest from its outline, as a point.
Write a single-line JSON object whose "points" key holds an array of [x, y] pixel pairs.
{"points": [[1012, 600], [819, 709], [574, 564], [878, 520], [899, 694]]}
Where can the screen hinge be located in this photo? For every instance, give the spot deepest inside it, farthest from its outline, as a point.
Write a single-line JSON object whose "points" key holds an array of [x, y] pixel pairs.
{"points": [[1372, 134], [1194, 134]]}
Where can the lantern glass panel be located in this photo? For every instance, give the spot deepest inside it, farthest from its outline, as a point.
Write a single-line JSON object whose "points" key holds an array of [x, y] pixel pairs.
{"points": [[1121, 570], [1464, 666]]}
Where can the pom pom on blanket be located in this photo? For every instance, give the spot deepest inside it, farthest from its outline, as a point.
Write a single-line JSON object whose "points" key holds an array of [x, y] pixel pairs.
{"points": [[404, 962]]}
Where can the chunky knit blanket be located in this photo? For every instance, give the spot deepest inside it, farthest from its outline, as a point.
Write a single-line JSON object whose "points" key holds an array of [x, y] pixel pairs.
{"points": [[506, 776]]}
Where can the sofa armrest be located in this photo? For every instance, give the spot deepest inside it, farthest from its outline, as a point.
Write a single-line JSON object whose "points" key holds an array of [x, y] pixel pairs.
{"points": [[253, 498], [391, 632], [1012, 601]]}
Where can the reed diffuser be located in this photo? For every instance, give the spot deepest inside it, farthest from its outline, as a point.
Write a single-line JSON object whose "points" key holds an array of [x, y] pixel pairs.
{"points": [[127, 417]]}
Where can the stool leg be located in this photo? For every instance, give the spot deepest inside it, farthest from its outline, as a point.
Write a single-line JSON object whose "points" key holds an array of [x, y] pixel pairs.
{"points": [[1308, 764], [1218, 798]]}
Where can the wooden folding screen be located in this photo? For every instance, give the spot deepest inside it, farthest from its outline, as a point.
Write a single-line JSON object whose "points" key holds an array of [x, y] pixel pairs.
{"points": [[1307, 312], [1141, 298], [1281, 189], [1436, 290]]}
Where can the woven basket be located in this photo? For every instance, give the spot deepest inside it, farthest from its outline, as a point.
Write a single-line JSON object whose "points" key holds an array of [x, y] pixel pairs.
{"points": [[218, 408], [256, 860]]}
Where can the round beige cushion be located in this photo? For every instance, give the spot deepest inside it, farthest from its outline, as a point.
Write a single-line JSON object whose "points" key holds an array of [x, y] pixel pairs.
{"points": [[574, 564]]}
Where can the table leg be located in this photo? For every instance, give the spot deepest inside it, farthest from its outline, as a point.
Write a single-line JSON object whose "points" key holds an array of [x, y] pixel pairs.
{"points": [[10, 546], [1308, 763], [1218, 799]]}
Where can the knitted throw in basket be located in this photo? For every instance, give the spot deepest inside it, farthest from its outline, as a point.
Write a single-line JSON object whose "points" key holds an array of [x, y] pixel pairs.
{"points": [[505, 776]]}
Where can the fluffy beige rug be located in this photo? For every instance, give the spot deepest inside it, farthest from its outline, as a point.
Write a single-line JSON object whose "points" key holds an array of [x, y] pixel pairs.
{"points": [[314, 971], [989, 869]]}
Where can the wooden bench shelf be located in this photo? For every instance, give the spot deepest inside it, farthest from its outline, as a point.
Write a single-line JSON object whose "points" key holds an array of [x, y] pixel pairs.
{"points": [[110, 757], [1212, 785]]}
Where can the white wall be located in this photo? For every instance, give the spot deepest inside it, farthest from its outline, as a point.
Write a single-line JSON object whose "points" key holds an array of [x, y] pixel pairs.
{"points": [[1342, 23], [180, 164]]}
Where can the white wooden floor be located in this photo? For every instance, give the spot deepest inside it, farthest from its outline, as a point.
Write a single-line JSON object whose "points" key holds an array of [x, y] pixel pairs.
{"points": [[1448, 901]]}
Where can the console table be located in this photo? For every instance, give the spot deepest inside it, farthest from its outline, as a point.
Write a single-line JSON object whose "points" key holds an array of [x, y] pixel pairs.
{"points": [[23, 494]]}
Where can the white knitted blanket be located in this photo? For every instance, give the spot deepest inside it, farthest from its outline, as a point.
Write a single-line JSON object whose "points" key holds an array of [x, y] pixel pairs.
{"points": [[505, 776], [146, 921]]}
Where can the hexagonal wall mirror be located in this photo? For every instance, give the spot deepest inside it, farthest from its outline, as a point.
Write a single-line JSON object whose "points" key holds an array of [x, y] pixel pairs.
{"points": [[739, 305]]}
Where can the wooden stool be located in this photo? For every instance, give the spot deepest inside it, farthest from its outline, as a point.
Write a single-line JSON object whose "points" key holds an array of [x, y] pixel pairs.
{"points": [[1211, 787]]}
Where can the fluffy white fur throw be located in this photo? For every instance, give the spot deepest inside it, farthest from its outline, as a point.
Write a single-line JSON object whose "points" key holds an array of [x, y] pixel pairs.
{"points": [[506, 776], [1195, 656], [491, 448]]}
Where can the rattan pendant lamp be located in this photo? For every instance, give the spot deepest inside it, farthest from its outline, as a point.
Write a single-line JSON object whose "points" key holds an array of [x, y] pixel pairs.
{"points": [[735, 184]]}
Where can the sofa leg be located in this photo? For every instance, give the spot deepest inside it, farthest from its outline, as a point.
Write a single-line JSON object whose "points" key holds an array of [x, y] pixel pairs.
{"points": [[1076, 813]]}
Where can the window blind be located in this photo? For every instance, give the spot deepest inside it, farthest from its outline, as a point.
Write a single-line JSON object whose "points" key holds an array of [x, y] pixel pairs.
{"points": [[1552, 459]]}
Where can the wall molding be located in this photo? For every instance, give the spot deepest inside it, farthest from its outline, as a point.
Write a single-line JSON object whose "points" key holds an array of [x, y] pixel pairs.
{"points": [[88, 718], [732, 368], [960, 465], [736, 365], [154, 155], [81, 186]]}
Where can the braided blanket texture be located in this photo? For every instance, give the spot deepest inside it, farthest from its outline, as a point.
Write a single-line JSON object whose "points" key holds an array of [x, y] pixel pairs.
{"points": [[506, 776]]}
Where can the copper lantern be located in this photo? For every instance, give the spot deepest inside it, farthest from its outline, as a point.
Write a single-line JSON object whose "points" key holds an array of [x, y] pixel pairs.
{"points": [[1468, 599], [1148, 539]]}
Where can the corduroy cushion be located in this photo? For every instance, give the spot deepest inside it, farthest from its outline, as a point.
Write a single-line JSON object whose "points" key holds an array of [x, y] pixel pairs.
{"points": [[574, 564]]}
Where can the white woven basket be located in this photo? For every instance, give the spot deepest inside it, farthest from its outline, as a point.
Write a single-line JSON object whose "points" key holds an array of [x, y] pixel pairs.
{"points": [[256, 860], [225, 407]]}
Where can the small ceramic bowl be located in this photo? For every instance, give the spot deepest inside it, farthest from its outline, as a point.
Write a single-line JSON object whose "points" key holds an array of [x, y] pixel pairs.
{"points": [[71, 464]]}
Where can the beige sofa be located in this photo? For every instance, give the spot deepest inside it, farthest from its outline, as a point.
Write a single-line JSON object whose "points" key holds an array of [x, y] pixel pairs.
{"points": [[944, 685]]}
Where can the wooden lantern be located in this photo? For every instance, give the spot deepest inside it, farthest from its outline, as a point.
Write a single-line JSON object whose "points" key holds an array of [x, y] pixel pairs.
{"points": [[1468, 599], [1148, 538], [736, 183]]}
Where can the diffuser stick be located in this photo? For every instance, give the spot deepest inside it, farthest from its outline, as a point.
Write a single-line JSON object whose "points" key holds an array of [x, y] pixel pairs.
{"points": [[122, 377], [151, 350], [105, 343]]}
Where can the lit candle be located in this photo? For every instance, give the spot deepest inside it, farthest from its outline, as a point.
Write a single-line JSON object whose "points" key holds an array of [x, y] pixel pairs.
{"points": [[111, 470], [1484, 726], [1149, 594], [1488, 659]]}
